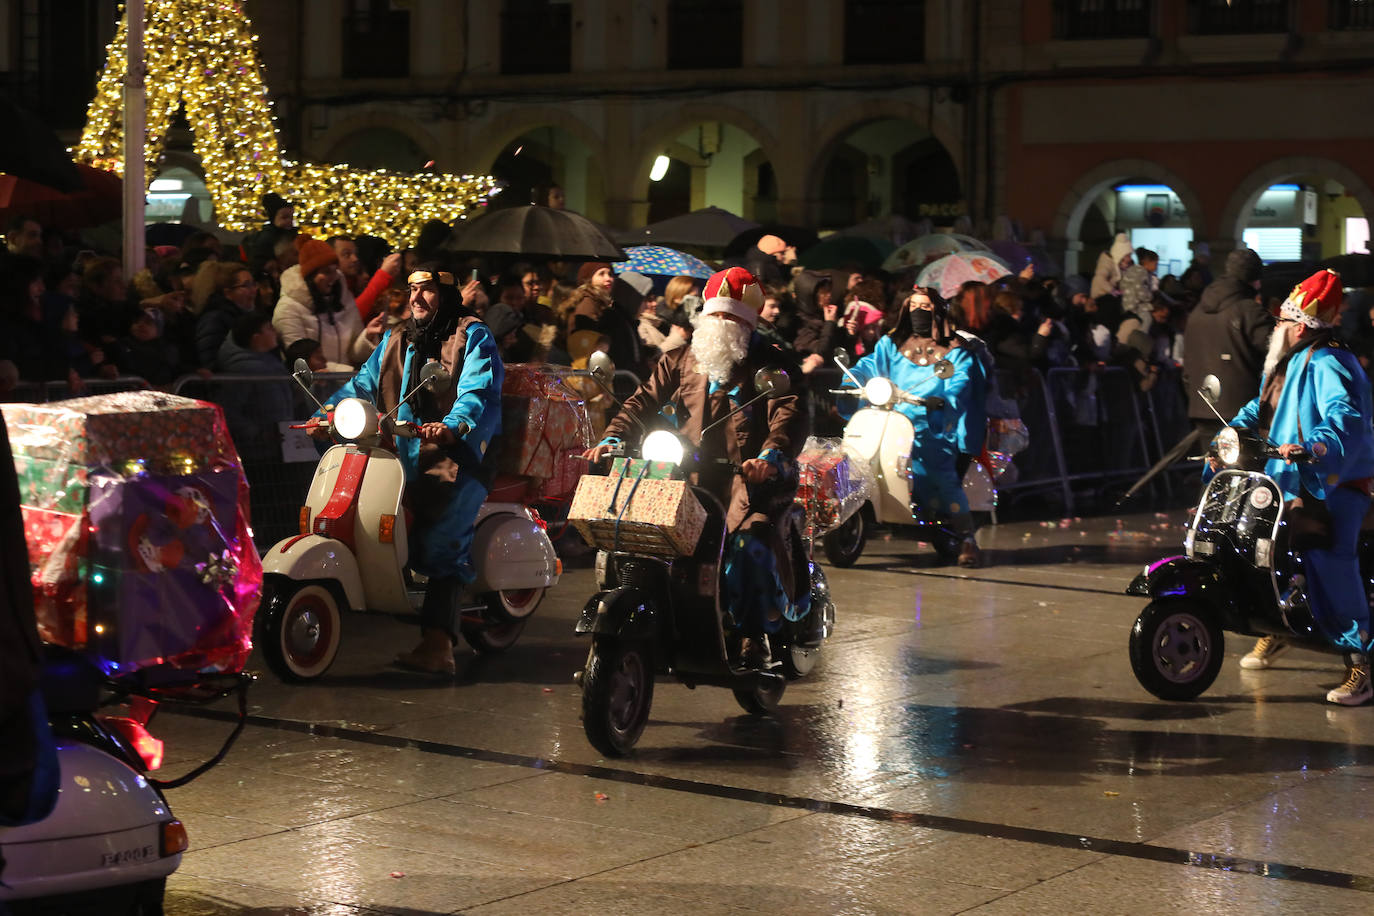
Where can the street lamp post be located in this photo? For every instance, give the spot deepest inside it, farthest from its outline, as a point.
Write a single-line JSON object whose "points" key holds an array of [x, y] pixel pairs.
{"points": [[134, 138]]}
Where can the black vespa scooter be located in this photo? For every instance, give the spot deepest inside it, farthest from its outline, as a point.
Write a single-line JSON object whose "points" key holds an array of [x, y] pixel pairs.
{"points": [[1241, 570], [665, 615]]}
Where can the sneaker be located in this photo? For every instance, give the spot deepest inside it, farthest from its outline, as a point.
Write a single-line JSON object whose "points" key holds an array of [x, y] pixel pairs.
{"points": [[755, 653], [1266, 650], [1356, 689]]}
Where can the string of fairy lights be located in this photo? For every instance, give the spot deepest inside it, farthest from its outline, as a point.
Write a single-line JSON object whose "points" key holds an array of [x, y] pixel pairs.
{"points": [[202, 54]]}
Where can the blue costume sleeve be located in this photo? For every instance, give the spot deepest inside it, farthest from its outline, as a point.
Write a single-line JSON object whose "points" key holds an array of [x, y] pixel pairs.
{"points": [[1343, 432], [960, 387], [364, 383], [1249, 414], [873, 365], [478, 403]]}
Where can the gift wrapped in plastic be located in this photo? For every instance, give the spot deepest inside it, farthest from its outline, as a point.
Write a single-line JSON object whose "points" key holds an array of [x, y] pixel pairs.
{"points": [[543, 426], [136, 516], [831, 484]]}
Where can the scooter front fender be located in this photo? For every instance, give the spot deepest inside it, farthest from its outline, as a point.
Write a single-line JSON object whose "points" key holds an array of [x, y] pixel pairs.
{"points": [[1185, 577], [310, 556], [624, 612]]}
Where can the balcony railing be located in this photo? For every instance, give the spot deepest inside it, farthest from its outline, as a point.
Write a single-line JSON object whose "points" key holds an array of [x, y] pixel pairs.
{"points": [[1076, 20], [884, 31], [1350, 15], [1239, 17]]}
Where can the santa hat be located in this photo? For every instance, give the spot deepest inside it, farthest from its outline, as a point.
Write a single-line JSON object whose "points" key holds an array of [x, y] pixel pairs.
{"points": [[734, 292], [1316, 301]]}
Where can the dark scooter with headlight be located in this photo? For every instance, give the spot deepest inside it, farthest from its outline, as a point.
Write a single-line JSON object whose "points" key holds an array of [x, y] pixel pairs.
{"points": [[352, 548], [661, 613], [1241, 571]]}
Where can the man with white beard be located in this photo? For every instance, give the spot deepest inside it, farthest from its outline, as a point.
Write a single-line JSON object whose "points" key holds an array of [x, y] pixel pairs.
{"points": [[1314, 401], [703, 382]]}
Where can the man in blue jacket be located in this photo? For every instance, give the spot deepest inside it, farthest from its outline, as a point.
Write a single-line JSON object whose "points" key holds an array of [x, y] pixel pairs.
{"points": [[1315, 401], [445, 476]]}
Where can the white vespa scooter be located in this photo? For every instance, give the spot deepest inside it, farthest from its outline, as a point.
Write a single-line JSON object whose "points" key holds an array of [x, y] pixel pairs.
{"points": [[880, 438], [351, 550]]}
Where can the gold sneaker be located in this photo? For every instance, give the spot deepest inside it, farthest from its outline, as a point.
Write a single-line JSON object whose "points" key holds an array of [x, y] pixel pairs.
{"points": [[1264, 653], [1356, 689]]}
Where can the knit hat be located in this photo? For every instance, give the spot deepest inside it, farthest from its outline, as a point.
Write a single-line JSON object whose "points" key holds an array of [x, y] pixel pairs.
{"points": [[314, 255], [272, 202], [1244, 265], [734, 292], [502, 319], [585, 272], [1316, 301]]}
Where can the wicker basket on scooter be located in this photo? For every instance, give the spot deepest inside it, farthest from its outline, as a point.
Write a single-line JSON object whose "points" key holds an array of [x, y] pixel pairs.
{"points": [[632, 511]]}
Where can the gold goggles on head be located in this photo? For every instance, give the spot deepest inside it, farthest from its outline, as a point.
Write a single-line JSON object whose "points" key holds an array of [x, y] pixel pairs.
{"points": [[425, 276]]}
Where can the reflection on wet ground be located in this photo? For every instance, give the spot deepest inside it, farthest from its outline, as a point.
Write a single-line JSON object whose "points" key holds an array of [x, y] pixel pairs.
{"points": [[974, 741]]}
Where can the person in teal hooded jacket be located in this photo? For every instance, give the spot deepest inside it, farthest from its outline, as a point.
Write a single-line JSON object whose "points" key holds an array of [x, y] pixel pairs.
{"points": [[907, 356], [446, 477], [1315, 404]]}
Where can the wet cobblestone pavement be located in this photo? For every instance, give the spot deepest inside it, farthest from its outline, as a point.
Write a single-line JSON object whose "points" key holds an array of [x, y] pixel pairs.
{"points": [[973, 742]]}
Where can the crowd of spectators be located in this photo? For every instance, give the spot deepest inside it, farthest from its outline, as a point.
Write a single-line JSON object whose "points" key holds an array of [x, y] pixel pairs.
{"points": [[210, 308]]}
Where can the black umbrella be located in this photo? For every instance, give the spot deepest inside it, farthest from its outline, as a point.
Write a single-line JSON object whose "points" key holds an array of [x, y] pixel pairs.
{"points": [[30, 150], [535, 232], [1355, 269], [799, 237]]}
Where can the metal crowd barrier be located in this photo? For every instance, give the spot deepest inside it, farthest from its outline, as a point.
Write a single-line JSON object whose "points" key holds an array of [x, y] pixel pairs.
{"points": [[43, 392]]}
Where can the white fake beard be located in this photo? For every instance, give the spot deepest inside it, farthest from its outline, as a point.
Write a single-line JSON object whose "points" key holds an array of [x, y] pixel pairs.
{"points": [[719, 346], [1278, 342]]}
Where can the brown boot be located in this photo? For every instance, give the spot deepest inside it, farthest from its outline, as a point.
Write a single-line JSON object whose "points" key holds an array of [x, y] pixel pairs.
{"points": [[970, 557], [433, 654]]}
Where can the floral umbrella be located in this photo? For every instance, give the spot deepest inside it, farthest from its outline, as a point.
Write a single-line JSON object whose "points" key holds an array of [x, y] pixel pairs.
{"points": [[922, 251], [954, 270], [657, 261]]}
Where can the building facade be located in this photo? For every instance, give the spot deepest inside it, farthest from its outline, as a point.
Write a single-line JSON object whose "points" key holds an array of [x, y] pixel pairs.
{"points": [[1178, 120]]}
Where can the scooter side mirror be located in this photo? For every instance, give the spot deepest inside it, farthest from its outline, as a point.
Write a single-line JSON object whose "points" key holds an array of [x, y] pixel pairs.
{"points": [[844, 359], [1211, 388], [601, 366], [434, 376], [302, 373], [773, 383], [944, 369]]}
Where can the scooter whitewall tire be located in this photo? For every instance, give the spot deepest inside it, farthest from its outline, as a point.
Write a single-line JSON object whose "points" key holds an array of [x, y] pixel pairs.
{"points": [[514, 603], [845, 544], [298, 628], [489, 638], [1176, 648], [617, 693]]}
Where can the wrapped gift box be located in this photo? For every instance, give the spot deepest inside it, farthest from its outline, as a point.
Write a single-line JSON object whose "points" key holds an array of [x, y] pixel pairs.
{"points": [[637, 514], [137, 527], [543, 424], [831, 485]]}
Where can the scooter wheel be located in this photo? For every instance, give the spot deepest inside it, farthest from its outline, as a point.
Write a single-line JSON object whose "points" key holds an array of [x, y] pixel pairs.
{"points": [[491, 638], [845, 544], [763, 698], [1176, 648], [514, 603], [617, 692], [298, 628]]}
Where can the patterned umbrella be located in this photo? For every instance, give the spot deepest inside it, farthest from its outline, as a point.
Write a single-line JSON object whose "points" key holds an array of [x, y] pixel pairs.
{"points": [[954, 270], [657, 261], [920, 252]]}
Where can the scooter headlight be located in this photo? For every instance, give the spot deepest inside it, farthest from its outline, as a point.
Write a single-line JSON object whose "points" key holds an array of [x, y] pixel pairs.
{"points": [[355, 419], [1228, 446], [879, 392], [661, 445]]}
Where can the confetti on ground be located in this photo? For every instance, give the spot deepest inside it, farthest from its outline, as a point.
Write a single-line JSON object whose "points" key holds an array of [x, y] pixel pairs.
{"points": [[1112, 794], [602, 797], [548, 690], [398, 874]]}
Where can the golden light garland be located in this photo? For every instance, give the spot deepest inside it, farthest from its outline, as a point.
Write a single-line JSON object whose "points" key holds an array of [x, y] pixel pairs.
{"points": [[203, 54]]}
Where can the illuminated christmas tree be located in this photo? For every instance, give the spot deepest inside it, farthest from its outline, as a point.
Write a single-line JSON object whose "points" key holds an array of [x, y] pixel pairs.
{"points": [[202, 54]]}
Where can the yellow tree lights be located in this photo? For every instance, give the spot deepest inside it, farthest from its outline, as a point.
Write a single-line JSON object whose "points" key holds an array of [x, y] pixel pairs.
{"points": [[202, 54]]}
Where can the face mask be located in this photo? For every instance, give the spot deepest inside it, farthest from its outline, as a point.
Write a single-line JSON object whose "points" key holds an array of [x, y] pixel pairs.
{"points": [[922, 322]]}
